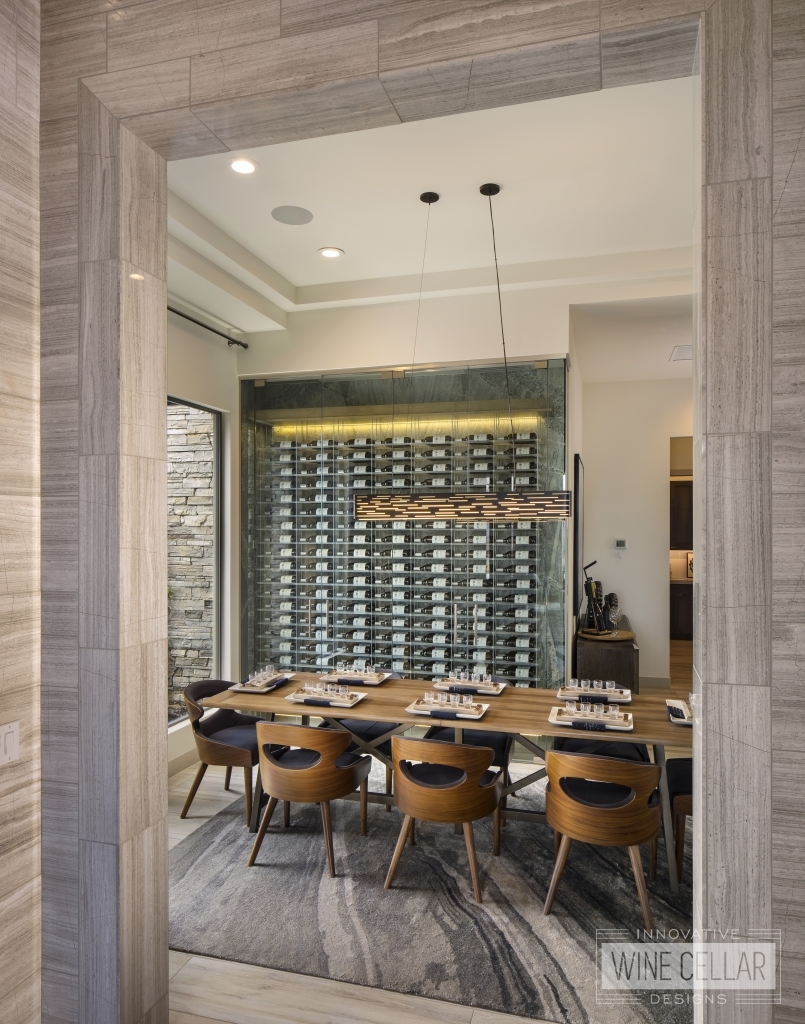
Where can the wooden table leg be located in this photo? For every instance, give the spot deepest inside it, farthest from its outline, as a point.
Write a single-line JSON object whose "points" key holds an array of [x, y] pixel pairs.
{"points": [[667, 818]]}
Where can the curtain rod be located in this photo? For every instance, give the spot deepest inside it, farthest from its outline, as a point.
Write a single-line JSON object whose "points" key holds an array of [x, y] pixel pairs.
{"points": [[192, 319]]}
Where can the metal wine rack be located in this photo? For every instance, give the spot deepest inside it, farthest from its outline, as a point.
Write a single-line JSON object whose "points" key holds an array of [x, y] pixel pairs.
{"points": [[419, 598]]}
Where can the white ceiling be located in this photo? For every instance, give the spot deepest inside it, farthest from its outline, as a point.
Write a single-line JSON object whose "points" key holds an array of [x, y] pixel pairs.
{"points": [[632, 340], [605, 172]]}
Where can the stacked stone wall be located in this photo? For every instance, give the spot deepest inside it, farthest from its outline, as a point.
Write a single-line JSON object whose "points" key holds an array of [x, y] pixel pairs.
{"points": [[191, 550]]}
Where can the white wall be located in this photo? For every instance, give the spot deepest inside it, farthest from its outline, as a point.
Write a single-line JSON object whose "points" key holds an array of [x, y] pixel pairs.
{"points": [[627, 428], [203, 369]]}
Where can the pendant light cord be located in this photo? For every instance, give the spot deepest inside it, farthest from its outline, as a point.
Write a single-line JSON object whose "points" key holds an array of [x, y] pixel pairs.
{"points": [[418, 310], [502, 333]]}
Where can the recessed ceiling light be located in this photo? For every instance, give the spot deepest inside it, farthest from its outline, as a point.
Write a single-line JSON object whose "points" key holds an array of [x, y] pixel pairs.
{"points": [[137, 277], [330, 252], [292, 215], [681, 353], [242, 165]]}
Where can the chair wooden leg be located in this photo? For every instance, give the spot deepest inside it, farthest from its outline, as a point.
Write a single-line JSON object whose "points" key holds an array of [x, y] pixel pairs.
{"points": [[412, 833], [364, 806], [247, 785], [408, 823], [640, 881], [557, 840], [286, 813], [679, 843], [258, 840], [193, 789], [228, 778], [496, 832], [328, 836], [652, 860], [558, 868], [388, 785], [507, 781], [469, 839]]}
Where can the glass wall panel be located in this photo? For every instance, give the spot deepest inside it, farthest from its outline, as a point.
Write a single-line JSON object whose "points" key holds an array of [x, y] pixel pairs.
{"points": [[193, 524], [419, 598]]}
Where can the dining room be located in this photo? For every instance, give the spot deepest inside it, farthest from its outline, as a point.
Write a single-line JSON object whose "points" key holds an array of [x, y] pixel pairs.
{"points": [[387, 770]]}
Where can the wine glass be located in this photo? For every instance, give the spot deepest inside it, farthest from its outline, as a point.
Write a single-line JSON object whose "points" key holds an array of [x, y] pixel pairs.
{"points": [[615, 615]]}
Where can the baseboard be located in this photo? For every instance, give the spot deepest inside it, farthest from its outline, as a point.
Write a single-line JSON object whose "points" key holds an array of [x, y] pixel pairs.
{"points": [[181, 747], [655, 683]]}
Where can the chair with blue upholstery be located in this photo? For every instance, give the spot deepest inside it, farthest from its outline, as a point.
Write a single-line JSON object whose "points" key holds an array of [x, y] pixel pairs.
{"points": [[679, 772], [447, 782], [606, 802], [225, 738], [304, 764], [369, 731]]}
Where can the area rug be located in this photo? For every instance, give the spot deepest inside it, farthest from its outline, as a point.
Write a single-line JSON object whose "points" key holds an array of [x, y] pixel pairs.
{"points": [[426, 936]]}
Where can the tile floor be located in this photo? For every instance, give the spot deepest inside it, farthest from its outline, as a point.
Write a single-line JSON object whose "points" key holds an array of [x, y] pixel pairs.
{"points": [[207, 991]]}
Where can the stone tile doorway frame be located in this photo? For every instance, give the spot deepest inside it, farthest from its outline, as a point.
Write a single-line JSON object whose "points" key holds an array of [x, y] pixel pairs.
{"points": [[125, 88]]}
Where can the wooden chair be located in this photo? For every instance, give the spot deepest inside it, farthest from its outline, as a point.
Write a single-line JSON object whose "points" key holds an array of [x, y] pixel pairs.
{"points": [[225, 737], [452, 784], [679, 771], [319, 770], [606, 802], [369, 731]]}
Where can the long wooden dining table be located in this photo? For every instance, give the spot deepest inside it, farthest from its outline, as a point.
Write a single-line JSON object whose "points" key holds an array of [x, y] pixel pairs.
{"points": [[518, 711]]}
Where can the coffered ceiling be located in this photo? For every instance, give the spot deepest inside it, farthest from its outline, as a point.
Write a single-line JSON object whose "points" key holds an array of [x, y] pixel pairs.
{"points": [[593, 186]]}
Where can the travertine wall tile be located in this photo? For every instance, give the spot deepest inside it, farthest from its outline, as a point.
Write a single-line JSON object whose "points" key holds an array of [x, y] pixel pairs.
{"points": [[99, 924], [291, 115], [428, 33], [143, 232], [148, 33], [298, 62], [143, 559], [98, 545], [144, 937], [99, 409], [739, 306], [530, 73], [737, 594], [737, 791], [788, 37], [175, 134], [143, 90], [18, 156], [313, 15], [19, 940], [789, 171], [789, 271], [619, 14], [58, 182], [143, 742], [70, 50], [788, 454], [788, 670], [635, 55], [99, 173], [738, 90]]}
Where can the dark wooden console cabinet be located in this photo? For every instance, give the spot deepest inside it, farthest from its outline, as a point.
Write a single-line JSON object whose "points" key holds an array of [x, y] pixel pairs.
{"points": [[605, 659]]}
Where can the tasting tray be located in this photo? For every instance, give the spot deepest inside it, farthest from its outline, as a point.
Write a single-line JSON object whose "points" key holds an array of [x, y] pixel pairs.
{"points": [[616, 696], [447, 713], [349, 678], [683, 706], [277, 680], [481, 689], [560, 716], [325, 701]]}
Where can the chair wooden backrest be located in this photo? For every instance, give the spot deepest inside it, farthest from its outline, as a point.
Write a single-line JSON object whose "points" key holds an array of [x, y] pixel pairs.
{"points": [[467, 800], [323, 780], [209, 751], [633, 821]]}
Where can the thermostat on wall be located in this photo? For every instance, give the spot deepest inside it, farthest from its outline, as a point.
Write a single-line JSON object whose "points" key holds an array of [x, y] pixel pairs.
{"points": [[620, 545]]}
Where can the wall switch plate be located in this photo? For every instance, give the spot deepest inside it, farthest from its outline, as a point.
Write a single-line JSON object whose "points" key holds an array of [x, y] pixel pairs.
{"points": [[9, 742]]}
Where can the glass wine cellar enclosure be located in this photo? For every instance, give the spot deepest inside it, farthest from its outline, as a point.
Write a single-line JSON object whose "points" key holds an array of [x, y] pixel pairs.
{"points": [[420, 598]]}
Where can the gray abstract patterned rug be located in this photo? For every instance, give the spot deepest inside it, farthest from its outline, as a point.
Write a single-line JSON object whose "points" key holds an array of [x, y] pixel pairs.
{"points": [[426, 936]]}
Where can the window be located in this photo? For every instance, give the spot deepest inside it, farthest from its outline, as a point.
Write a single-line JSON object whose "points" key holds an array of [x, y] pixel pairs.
{"points": [[193, 549]]}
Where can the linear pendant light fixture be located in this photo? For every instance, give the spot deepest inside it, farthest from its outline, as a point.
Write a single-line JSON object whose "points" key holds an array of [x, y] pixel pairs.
{"points": [[501, 506]]}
